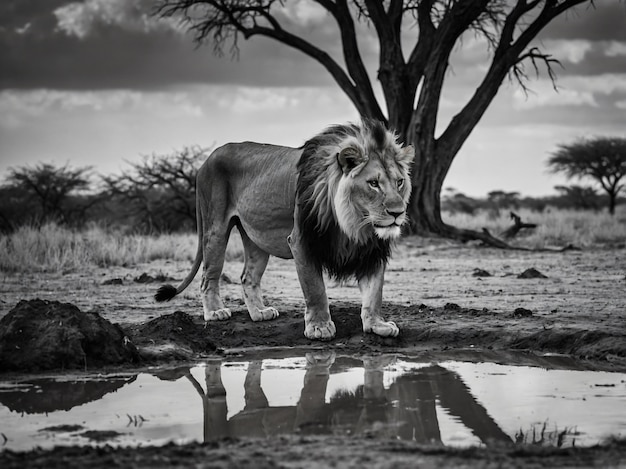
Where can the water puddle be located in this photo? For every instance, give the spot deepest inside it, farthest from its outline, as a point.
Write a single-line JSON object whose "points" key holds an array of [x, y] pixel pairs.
{"points": [[457, 403]]}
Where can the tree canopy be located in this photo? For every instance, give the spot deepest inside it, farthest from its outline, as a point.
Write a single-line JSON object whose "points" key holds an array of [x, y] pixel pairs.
{"points": [[416, 39], [602, 159]]}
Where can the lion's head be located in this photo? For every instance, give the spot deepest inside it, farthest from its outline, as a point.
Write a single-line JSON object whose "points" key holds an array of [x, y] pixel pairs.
{"points": [[353, 189]]}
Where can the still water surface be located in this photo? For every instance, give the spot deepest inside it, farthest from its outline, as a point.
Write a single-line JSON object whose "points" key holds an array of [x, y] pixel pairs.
{"points": [[456, 403]]}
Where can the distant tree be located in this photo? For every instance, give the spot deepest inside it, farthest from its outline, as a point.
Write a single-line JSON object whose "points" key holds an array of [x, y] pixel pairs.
{"points": [[580, 197], [457, 202], [602, 159], [415, 41], [498, 200], [502, 199], [46, 193], [159, 193]]}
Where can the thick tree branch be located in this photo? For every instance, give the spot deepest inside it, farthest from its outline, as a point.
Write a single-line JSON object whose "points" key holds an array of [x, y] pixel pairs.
{"points": [[352, 56], [457, 20], [507, 55]]}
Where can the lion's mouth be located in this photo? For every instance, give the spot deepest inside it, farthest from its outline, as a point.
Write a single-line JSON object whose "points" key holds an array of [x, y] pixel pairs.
{"points": [[390, 225], [390, 231]]}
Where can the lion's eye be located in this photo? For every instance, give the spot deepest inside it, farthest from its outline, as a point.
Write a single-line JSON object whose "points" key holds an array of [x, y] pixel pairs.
{"points": [[373, 183], [400, 183]]}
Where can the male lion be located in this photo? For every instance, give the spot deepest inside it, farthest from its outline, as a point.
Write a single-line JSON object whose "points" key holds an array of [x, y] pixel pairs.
{"points": [[333, 205]]}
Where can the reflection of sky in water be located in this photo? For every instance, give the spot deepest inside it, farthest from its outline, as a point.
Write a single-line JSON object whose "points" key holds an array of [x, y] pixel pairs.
{"points": [[520, 397], [514, 397]]}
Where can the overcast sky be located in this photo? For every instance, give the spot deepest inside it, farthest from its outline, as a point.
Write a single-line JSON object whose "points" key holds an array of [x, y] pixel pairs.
{"points": [[102, 82]]}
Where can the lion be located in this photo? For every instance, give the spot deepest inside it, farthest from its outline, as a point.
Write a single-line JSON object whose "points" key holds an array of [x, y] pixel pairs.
{"points": [[334, 205]]}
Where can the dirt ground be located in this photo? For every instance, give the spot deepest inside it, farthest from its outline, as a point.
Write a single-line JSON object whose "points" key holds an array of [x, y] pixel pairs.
{"points": [[443, 296]]}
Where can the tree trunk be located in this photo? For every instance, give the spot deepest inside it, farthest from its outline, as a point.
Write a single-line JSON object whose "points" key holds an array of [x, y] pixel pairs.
{"points": [[424, 211], [612, 202], [425, 206]]}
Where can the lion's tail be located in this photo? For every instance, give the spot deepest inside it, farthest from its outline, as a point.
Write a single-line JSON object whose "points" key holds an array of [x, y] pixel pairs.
{"points": [[167, 292]]}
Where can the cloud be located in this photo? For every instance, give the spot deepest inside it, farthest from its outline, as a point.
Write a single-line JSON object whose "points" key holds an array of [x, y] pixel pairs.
{"points": [[543, 94], [602, 20], [107, 44], [616, 49], [81, 19], [573, 51], [591, 98], [21, 107]]}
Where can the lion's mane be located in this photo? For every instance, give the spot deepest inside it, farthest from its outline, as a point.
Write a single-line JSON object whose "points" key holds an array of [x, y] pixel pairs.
{"points": [[319, 173]]}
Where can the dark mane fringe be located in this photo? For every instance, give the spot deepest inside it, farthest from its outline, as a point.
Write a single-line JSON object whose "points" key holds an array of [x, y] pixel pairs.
{"points": [[330, 249]]}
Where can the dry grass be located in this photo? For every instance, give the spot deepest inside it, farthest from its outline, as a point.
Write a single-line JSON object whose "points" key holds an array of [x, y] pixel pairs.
{"points": [[555, 227], [54, 248]]}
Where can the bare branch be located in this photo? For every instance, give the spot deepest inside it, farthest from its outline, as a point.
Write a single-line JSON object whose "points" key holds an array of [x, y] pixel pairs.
{"points": [[536, 56], [506, 59], [224, 20]]}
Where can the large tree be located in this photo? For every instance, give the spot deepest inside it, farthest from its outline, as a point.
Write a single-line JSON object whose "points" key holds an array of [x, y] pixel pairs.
{"points": [[602, 159], [412, 81]]}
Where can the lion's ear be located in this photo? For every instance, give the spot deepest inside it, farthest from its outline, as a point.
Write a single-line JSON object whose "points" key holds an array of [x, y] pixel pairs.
{"points": [[349, 158], [407, 154]]}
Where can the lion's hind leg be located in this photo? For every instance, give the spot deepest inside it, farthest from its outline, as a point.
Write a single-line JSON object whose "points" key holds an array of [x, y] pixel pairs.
{"points": [[255, 262], [215, 242]]}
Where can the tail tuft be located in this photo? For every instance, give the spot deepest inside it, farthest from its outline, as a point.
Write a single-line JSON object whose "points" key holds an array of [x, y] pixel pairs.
{"points": [[165, 293]]}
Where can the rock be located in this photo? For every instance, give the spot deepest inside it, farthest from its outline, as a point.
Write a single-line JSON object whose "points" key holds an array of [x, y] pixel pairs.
{"points": [[147, 278], [522, 313], [531, 273], [40, 335], [113, 281], [144, 278], [480, 273]]}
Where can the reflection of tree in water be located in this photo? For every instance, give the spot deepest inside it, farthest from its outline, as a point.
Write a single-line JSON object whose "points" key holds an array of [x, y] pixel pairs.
{"points": [[47, 395], [406, 409]]}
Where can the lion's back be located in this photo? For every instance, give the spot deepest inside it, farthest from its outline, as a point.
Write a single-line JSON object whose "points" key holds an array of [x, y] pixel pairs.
{"points": [[250, 158], [256, 184]]}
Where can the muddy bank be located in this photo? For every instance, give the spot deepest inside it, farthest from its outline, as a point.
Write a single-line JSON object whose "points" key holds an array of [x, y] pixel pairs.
{"points": [[423, 328], [42, 335], [431, 292], [318, 452]]}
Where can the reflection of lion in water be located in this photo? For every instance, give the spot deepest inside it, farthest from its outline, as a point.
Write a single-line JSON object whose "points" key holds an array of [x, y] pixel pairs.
{"points": [[335, 205]]}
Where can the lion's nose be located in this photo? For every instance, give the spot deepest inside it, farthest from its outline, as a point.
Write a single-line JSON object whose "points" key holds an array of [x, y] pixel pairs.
{"points": [[394, 213]]}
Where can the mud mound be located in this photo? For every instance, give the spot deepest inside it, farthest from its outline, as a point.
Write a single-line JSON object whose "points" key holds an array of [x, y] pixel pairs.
{"points": [[40, 335], [578, 343], [174, 335]]}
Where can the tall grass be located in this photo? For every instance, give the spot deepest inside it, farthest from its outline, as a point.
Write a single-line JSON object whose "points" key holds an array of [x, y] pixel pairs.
{"points": [[555, 227], [56, 248]]}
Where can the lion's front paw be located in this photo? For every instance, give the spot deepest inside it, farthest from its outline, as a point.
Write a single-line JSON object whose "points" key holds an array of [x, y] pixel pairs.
{"points": [[265, 314], [320, 330], [382, 328], [217, 315]]}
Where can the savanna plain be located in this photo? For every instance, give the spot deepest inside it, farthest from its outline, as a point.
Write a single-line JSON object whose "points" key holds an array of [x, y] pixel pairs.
{"points": [[462, 301]]}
